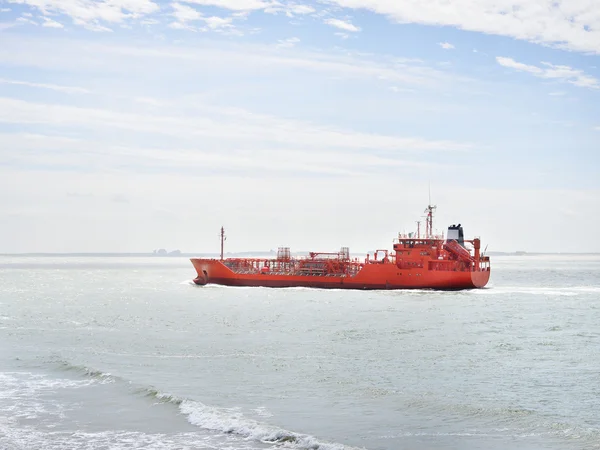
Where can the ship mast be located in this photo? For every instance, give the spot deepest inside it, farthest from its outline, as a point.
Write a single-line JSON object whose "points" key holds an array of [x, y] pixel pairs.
{"points": [[429, 221], [429, 226], [222, 239]]}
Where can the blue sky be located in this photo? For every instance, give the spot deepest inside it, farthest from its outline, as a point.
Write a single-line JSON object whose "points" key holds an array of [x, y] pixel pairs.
{"points": [[128, 125]]}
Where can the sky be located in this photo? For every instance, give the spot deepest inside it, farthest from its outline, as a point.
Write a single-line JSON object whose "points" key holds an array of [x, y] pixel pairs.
{"points": [[132, 125]]}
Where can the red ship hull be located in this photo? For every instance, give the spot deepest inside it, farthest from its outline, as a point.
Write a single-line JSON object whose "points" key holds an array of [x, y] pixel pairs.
{"points": [[371, 276]]}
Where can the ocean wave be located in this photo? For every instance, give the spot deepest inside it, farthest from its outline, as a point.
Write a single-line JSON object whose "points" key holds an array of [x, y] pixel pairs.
{"points": [[102, 377], [235, 423], [232, 422]]}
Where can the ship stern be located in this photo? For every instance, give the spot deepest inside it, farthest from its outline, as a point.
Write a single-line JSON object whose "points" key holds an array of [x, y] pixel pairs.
{"points": [[480, 278]]}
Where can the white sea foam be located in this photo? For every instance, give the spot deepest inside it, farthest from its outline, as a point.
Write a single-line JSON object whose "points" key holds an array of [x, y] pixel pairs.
{"points": [[12, 437], [262, 412], [21, 395], [232, 421], [29, 384]]}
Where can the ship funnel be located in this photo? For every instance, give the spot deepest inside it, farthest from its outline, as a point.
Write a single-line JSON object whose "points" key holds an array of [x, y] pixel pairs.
{"points": [[456, 232]]}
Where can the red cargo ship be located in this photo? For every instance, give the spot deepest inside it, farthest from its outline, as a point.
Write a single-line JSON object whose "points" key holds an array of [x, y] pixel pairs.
{"points": [[417, 261]]}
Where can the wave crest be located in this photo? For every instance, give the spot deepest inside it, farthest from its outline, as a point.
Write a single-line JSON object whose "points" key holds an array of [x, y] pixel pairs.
{"points": [[103, 377]]}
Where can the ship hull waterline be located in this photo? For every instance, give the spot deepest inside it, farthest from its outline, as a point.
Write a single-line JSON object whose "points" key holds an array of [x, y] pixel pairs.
{"points": [[370, 277]]}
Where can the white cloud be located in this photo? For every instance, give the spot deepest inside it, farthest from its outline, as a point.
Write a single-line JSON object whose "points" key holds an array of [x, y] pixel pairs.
{"points": [[235, 124], [89, 56], [185, 13], [67, 89], [573, 76], [181, 26], [95, 27], [509, 62], [25, 19], [89, 13], [301, 9], [52, 23], [289, 9], [7, 25], [149, 22], [342, 25], [597, 128], [56, 151], [287, 43], [218, 22], [446, 45], [235, 5], [570, 24], [397, 89], [553, 72]]}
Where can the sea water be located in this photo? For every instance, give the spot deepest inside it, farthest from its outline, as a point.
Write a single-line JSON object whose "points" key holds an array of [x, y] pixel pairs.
{"points": [[126, 353]]}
